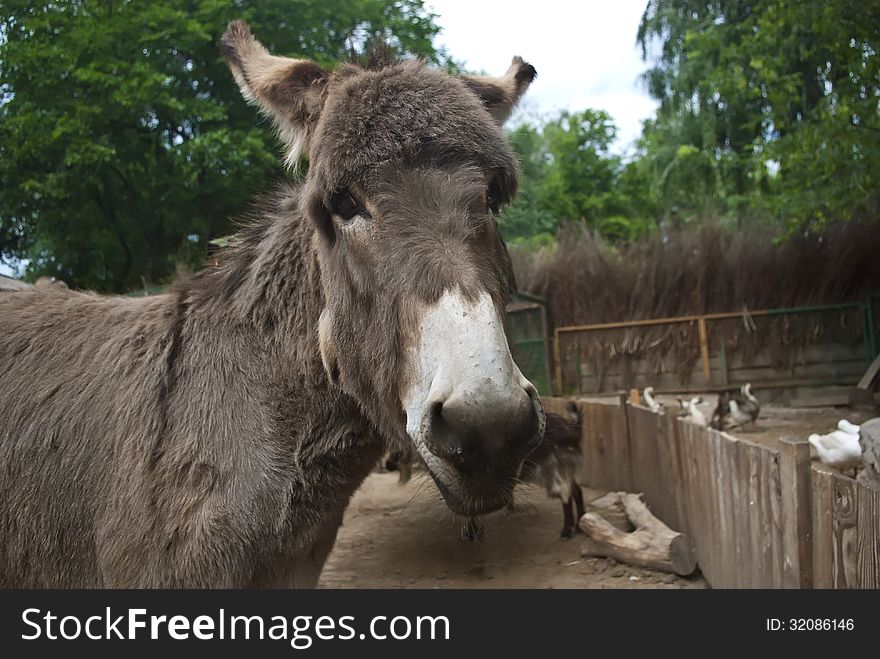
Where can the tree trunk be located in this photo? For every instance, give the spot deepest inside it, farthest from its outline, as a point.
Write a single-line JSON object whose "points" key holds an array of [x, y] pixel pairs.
{"points": [[652, 544]]}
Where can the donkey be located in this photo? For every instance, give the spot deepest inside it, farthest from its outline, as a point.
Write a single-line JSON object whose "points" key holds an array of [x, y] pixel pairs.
{"points": [[212, 436]]}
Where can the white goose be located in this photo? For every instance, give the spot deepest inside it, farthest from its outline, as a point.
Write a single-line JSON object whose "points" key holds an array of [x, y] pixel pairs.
{"points": [[694, 412], [846, 426], [839, 449], [648, 395]]}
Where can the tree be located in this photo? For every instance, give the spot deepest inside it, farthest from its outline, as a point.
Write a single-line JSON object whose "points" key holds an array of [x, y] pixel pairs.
{"points": [[526, 219], [764, 104], [581, 175], [125, 145], [569, 173]]}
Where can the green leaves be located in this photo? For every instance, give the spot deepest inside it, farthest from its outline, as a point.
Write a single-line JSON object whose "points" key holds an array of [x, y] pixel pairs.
{"points": [[755, 84], [125, 145], [570, 175]]}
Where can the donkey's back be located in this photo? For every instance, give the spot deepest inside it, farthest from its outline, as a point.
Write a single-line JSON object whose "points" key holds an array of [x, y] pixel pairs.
{"points": [[72, 366]]}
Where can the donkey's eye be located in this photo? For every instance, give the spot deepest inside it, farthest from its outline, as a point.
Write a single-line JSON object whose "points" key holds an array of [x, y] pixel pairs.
{"points": [[493, 196], [343, 204]]}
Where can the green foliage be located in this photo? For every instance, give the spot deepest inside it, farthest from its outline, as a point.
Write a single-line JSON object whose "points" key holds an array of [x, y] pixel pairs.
{"points": [[570, 174], [766, 105], [125, 145]]}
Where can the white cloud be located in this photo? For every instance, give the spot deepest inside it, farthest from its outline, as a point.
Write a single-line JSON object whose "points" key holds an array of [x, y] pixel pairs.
{"points": [[585, 52]]}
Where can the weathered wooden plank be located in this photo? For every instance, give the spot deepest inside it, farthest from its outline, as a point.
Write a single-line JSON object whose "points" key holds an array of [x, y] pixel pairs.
{"points": [[744, 512], [868, 543], [760, 525], [712, 511], [591, 447], [694, 467], [604, 444], [867, 381], [639, 425], [732, 501], [622, 450], [649, 463], [643, 371], [770, 525], [821, 399], [850, 370], [844, 518], [694, 452], [797, 549], [726, 475], [704, 350], [823, 536], [677, 467], [775, 486]]}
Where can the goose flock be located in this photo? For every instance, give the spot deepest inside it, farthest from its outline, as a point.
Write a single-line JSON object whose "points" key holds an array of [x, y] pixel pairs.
{"points": [[731, 411], [845, 448]]}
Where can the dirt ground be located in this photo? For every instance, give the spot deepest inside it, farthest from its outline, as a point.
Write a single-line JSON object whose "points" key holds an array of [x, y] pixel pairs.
{"points": [[404, 536]]}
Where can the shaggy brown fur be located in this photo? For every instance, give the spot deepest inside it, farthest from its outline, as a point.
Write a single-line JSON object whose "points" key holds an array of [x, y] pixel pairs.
{"points": [[194, 438], [556, 464]]}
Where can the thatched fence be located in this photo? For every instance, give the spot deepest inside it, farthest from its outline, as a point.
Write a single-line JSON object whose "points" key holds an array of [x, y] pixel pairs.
{"points": [[759, 516]]}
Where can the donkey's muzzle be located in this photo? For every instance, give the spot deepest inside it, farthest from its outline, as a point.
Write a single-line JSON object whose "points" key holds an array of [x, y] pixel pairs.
{"points": [[480, 441]]}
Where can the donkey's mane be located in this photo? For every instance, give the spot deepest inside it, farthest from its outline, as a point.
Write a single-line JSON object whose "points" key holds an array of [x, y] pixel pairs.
{"points": [[262, 275], [375, 58]]}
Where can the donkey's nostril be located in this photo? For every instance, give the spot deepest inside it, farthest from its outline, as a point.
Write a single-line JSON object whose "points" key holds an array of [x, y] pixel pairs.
{"points": [[481, 432], [442, 439]]}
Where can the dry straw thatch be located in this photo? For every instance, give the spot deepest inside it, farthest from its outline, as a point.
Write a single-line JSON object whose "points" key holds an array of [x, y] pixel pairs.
{"points": [[711, 269]]}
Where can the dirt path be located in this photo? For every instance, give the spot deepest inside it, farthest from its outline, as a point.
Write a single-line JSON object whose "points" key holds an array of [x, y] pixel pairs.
{"points": [[404, 537]]}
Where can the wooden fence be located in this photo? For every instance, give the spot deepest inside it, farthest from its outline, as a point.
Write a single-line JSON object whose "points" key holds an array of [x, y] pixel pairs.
{"points": [[846, 531], [759, 516], [719, 350]]}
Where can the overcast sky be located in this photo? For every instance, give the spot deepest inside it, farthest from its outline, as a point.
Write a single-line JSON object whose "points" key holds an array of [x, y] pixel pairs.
{"points": [[585, 52]]}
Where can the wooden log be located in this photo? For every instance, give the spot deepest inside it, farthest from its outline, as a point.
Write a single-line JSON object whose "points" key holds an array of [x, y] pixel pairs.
{"points": [[652, 544]]}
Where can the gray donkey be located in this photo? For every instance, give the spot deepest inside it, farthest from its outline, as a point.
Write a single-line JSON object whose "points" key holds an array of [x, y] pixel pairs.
{"points": [[212, 436]]}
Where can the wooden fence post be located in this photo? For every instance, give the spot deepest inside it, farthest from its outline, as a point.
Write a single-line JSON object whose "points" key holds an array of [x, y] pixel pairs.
{"points": [[557, 362], [797, 517], [704, 349], [623, 419]]}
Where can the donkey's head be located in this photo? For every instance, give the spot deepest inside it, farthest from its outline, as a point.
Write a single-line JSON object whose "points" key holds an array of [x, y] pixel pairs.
{"points": [[408, 168]]}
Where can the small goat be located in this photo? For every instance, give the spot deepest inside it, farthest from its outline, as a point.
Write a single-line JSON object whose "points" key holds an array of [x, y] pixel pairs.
{"points": [[556, 464]]}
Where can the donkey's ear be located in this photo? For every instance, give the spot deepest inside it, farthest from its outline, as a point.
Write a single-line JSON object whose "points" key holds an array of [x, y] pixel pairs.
{"points": [[290, 91], [500, 95]]}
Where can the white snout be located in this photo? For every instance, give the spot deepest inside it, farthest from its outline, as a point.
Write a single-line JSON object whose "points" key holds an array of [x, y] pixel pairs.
{"points": [[462, 364]]}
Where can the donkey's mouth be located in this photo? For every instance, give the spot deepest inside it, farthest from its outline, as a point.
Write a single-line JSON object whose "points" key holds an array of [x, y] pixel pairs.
{"points": [[471, 502]]}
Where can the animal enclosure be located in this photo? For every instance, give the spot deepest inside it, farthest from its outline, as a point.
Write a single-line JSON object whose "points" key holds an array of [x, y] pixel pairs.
{"points": [[527, 334], [759, 516], [824, 345]]}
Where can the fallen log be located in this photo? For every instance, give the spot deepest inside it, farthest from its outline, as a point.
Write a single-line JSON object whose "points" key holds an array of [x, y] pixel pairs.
{"points": [[652, 544]]}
